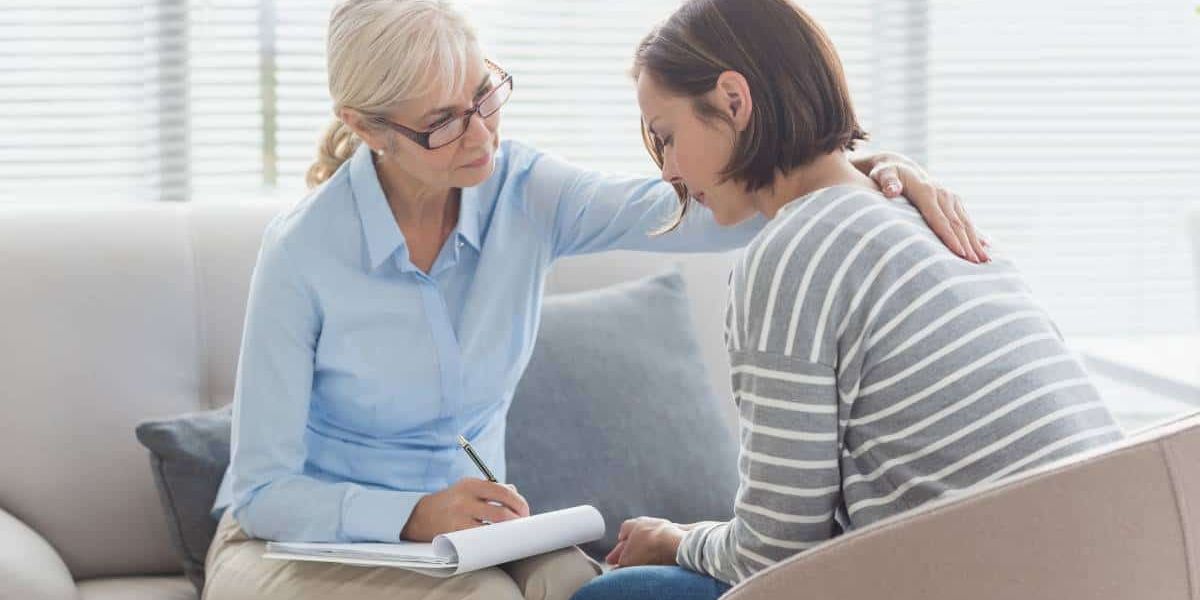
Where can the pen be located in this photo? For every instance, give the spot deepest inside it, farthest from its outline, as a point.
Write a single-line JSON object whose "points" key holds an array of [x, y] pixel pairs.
{"points": [[462, 441]]}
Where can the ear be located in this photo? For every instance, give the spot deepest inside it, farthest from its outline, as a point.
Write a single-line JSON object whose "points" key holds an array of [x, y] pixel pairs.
{"points": [[733, 95], [358, 124]]}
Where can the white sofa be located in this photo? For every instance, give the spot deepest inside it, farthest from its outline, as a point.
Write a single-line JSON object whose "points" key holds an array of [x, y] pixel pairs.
{"points": [[119, 313], [114, 314]]}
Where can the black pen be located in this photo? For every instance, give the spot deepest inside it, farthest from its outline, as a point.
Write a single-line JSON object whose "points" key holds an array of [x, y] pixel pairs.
{"points": [[462, 441]]}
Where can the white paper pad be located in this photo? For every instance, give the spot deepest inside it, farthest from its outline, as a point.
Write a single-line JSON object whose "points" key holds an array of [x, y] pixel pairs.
{"points": [[461, 551]]}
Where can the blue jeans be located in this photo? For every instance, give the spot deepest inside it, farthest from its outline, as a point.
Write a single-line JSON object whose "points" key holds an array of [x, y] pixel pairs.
{"points": [[652, 583]]}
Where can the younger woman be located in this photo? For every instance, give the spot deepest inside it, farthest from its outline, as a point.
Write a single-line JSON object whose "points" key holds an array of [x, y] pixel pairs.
{"points": [[873, 371]]}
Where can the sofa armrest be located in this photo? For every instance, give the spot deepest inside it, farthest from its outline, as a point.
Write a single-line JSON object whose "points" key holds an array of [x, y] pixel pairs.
{"points": [[1101, 526], [29, 567]]}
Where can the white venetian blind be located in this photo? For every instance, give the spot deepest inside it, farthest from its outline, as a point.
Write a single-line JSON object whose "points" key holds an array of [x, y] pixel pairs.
{"points": [[304, 106], [570, 62], [1073, 128], [227, 132], [259, 93], [130, 99], [92, 100], [179, 99]]}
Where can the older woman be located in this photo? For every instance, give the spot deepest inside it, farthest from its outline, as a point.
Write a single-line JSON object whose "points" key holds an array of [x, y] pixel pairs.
{"points": [[395, 307]]}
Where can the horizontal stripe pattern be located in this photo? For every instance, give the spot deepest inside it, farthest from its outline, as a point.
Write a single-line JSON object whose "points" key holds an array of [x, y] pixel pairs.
{"points": [[875, 371]]}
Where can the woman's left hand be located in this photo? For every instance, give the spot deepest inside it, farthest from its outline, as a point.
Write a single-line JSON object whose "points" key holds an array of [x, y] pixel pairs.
{"points": [[942, 209], [646, 541]]}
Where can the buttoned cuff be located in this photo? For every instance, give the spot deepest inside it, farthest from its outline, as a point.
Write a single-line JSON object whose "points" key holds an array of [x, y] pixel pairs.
{"points": [[370, 515]]}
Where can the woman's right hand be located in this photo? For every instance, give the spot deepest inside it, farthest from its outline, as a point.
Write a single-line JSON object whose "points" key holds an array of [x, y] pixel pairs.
{"points": [[468, 503]]}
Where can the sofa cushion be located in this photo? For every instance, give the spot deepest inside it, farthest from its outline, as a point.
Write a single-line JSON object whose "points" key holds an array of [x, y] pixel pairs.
{"points": [[607, 413], [94, 342], [188, 456], [615, 409], [142, 588], [29, 566]]}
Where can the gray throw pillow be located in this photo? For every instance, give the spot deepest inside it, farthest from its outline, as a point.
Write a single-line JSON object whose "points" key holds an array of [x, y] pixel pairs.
{"points": [[616, 410], [188, 455]]}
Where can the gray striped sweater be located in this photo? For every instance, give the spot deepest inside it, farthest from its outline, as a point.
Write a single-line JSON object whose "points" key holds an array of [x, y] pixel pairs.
{"points": [[875, 371]]}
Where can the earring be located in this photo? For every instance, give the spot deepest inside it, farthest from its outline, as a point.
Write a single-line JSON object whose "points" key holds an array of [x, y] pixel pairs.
{"points": [[378, 152]]}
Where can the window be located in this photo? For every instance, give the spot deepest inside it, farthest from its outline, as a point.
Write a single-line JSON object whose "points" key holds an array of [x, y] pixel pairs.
{"points": [[1072, 127], [84, 87]]}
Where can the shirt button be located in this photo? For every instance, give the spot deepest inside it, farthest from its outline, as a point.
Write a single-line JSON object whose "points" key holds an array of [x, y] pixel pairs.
{"points": [[460, 243]]}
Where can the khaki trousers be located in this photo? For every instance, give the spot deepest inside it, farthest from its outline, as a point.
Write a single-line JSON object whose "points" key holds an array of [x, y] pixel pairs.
{"points": [[235, 569]]}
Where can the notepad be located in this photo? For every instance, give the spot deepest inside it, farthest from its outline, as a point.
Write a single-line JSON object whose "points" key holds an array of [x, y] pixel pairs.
{"points": [[461, 551]]}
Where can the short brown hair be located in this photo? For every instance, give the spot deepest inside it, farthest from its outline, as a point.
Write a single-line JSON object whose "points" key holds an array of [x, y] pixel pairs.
{"points": [[802, 108]]}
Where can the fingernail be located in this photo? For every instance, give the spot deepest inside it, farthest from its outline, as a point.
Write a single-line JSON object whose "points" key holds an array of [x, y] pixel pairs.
{"points": [[893, 188]]}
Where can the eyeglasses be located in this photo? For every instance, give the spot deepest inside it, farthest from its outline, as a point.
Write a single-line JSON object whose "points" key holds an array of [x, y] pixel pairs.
{"points": [[454, 128]]}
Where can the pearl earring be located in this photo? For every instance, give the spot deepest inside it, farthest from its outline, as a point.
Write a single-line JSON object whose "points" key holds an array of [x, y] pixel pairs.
{"points": [[379, 153]]}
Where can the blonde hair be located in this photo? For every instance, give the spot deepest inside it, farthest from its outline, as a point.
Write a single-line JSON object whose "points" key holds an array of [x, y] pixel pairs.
{"points": [[380, 53]]}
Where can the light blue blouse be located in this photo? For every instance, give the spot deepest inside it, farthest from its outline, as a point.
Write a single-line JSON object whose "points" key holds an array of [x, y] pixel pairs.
{"points": [[358, 371]]}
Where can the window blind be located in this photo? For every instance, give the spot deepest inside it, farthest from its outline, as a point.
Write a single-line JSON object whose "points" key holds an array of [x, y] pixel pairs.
{"points": [[304, 108], [92, 100], [571, 65], [1073, 129], [228, 153]]}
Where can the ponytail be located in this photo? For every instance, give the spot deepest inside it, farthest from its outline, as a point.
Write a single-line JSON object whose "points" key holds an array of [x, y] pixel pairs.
{"points": [[337, 145]]}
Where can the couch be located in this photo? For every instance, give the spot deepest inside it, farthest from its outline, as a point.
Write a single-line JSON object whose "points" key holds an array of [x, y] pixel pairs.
{"points": [[114, 314]]}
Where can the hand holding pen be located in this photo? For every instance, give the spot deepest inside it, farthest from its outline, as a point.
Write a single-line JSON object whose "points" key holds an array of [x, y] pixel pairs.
{"points": [[467, 503]]}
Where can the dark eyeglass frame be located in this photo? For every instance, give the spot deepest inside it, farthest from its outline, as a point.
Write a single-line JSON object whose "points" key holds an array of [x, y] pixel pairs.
{"points": [[422, 137]]}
